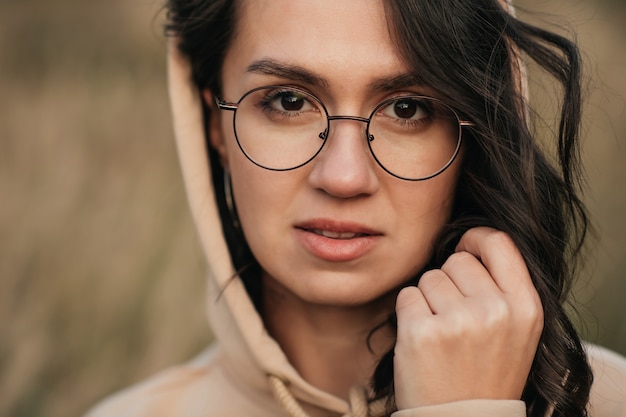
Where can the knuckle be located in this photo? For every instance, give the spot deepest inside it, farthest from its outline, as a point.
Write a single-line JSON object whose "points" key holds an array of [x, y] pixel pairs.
{"points": [[467, 326], [461, 324], [407, 297], [460, 257], [499, 313], [533, 314], [527, 316], [502, 240], [509, 251], [430, 279]]}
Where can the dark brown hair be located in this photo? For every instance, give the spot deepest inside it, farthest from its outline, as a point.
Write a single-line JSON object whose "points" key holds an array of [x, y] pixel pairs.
{"points": [[467, 52]]}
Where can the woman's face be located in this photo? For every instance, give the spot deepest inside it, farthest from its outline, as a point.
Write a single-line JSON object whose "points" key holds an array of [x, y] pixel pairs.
{"points": [[338, 231]]}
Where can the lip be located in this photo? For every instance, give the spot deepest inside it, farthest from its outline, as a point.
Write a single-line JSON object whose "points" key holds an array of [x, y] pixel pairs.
{"points": [[336, 241]]}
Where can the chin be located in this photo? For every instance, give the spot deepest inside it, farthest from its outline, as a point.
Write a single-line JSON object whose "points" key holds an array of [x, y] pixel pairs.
{"points": [[342, 289]]}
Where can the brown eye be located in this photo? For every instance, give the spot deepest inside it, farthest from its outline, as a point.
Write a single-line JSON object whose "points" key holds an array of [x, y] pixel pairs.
{"points": [[291, 102], [405, 109]]}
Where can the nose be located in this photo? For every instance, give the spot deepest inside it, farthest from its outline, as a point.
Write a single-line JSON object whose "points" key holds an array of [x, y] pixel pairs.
{"points": [[345, 167]]}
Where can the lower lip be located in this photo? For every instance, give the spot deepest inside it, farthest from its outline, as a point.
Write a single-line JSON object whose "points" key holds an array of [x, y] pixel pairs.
{"points": [[336, 250]]}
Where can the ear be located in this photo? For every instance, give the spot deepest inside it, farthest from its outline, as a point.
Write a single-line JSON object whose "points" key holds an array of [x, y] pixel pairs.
{"points": [[216, 134]]}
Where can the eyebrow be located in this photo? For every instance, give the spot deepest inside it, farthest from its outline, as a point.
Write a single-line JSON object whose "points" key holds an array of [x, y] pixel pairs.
{"points": [[397, 82], [300, 74], [290, 72]]}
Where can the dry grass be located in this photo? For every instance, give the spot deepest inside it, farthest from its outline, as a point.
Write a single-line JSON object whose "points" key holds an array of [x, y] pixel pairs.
{"points": [[101, 279]]}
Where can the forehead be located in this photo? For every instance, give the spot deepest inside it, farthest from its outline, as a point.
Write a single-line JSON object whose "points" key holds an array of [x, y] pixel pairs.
{"points": [[346, 42]]}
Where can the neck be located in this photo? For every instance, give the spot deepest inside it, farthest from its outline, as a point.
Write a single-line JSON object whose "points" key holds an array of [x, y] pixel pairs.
{"points": [[332, 347]]}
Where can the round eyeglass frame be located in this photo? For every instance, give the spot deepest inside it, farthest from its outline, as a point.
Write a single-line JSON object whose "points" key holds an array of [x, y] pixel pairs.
{"points": [[233, 106]]}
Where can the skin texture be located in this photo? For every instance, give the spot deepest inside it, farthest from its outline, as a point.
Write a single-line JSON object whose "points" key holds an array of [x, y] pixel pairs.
{"points": [[459, 321]]}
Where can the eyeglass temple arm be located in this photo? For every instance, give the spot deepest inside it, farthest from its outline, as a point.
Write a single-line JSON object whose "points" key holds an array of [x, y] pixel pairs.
{"points": [[467, 123], [224, 105]]}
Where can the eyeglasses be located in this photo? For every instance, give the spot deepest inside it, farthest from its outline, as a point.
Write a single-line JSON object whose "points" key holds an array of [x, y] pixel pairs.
{"points": [[281, 128]]}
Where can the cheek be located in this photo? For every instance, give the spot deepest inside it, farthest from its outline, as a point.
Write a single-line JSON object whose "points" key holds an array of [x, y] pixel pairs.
{"points": [[251, 198], [422, 211], [251, 208], [430, 200], [262, 198]]}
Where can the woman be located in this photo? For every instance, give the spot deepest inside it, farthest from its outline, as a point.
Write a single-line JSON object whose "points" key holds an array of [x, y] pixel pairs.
{"points": [[398, 240]]}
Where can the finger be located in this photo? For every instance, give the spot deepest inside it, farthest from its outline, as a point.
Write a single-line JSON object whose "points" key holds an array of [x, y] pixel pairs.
{"points": [[497, 251], [411, 303], [469, 275], [439, 291]]}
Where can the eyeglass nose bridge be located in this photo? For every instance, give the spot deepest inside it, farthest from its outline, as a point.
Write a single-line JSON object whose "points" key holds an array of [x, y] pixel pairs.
{"points": [[324, 135]]}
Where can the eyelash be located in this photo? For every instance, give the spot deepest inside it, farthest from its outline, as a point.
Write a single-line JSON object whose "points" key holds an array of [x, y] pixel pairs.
{"points": [[266, 102]]}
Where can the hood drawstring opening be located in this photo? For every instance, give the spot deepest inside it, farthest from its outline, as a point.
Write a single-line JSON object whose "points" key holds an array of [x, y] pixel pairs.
{"points": [[359, 404]]}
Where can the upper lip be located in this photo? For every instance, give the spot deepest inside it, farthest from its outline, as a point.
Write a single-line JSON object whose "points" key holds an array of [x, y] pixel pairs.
{"points": [[337, 226]]}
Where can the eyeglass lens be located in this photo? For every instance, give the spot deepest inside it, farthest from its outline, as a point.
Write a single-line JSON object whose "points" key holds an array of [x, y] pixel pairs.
{"points": [[282, 128]]}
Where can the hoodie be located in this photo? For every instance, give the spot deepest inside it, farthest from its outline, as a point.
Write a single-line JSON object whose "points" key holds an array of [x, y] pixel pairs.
{"points": [[245, 372]]}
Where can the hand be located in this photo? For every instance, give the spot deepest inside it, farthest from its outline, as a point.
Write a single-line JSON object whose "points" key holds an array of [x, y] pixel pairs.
{"points": [[469, 330]]}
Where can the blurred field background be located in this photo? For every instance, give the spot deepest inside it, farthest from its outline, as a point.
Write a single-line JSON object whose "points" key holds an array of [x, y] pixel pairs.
{"points": [[101, 277]]}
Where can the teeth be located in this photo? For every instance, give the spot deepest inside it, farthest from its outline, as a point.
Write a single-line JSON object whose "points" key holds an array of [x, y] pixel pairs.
{"points": [[335, 235]]}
